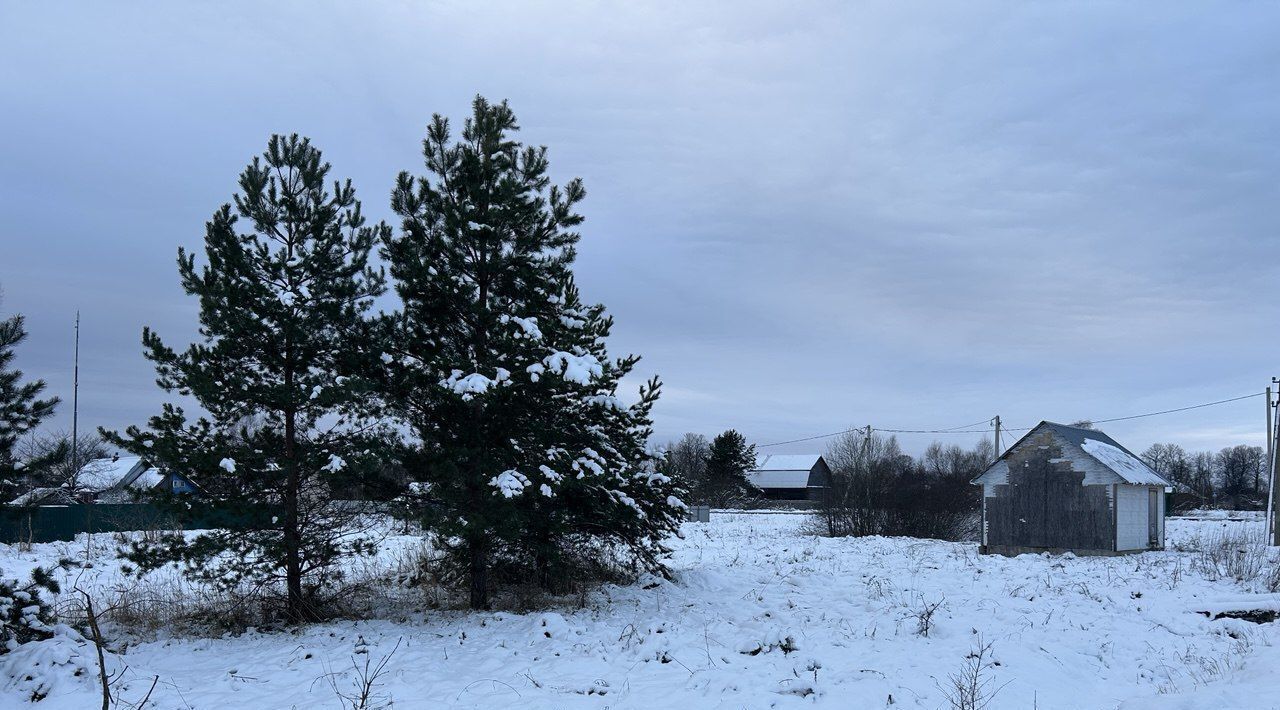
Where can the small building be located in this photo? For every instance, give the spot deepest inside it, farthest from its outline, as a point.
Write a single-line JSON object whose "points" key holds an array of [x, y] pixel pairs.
{"points": [[118, 479], [43, 496], [791, 476], [1062, 488]]}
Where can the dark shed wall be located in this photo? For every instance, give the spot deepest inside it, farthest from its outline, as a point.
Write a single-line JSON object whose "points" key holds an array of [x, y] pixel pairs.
{"points": [[819, 480], [1045, 504]]}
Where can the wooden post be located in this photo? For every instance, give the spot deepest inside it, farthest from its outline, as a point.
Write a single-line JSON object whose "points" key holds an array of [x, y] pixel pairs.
{"points": [[1271, 484], [1274, 495], [997, 437]]}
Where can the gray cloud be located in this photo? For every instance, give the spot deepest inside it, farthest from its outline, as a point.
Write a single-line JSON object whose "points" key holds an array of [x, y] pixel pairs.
{"points": [[805, 218]]}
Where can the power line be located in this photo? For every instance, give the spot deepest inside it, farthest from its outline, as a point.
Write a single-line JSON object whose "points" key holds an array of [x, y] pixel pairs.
{"points": [[809, 438], [965, 428], [962, 429], [1179, 409], [952, 430], [1153, 414]]}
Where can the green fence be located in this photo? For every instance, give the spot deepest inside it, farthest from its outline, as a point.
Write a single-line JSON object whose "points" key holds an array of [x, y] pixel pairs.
{"points": [[64, 522]]}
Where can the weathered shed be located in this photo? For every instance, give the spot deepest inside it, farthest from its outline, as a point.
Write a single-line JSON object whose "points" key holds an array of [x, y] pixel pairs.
{"points": [[791, 476], [1062, 488]]}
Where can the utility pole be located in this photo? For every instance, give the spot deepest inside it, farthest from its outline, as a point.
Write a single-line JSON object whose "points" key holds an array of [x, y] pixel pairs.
{"points": [[866, 448], [1267, 464], [997, 437], [75, 405], [1273, 497], [1270, 454]]}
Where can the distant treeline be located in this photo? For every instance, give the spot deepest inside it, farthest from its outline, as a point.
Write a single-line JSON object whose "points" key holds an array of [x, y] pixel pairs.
{"points": [[1235, 477], [876, 488]]}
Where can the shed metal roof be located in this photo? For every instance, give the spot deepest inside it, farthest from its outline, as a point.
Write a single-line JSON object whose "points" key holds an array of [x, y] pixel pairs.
{"points": [[787, 462], [783, 470], [1092, 452]]}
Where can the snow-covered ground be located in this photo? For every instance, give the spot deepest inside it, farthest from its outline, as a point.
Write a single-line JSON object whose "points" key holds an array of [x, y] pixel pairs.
{"points": [[760, 615]]}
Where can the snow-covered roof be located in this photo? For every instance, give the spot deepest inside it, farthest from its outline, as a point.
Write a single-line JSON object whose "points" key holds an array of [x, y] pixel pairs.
{"points": [[102, 474], [1102, 459], [1126, 465], [41, 495], [147, 480], [783, 470], [787, 462]]}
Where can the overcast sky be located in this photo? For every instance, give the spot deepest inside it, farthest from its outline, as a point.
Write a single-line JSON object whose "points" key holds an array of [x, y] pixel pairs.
{"points": [[805, 218]]}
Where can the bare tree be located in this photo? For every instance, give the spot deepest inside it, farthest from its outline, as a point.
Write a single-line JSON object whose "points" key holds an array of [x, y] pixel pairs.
{"points": [[686, 461], [878, 490], [1202, 475], [1240, 470], [48, 460]]}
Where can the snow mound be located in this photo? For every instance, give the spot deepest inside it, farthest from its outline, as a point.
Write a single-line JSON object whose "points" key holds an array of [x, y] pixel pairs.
{"points": [[553, 625], [774, 639], [58, 665]]}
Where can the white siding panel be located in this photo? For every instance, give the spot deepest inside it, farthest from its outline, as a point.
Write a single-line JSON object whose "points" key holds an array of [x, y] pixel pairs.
{"points": [[1131, 517], [996, 473], [778, 479]]}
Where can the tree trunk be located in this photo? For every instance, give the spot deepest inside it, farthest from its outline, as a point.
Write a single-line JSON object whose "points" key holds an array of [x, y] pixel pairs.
{"points": [[479, 573], [545, 567], [295, 605]]}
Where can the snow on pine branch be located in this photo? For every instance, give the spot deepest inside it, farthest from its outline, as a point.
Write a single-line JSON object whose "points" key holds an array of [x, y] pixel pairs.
{"points": [[574, 368], [510, 483], [606, 401], [335, 464], [471, 385], [528, 326]]}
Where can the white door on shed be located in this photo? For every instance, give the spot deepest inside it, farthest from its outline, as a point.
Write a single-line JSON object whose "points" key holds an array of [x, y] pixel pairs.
{"points": [[1153, 517], [1133, 518]]}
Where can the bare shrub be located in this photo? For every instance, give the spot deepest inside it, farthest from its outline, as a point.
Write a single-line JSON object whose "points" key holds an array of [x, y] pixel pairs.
{"points": [[877, 490], [973, 686], [1203, 668], [362, 694], [923, 614], [1235, 552], [168, 602]]}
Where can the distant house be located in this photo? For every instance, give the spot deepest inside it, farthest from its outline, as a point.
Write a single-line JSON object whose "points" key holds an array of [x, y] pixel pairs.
{"points": [[791, 476], [1063, 488], [117, 479], [44, 496]]}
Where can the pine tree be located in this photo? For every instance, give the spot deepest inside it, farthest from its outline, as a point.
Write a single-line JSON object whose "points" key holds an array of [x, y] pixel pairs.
{"points": [[26, 614], [283, 343], [593, 486], [499, 369], [20, 408], [727, 464]]}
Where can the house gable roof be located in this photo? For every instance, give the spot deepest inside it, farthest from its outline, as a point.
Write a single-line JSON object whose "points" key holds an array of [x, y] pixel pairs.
{"points": [[1101, 458], [783, 470], [114, 472], [787, 462], [43, 496]]}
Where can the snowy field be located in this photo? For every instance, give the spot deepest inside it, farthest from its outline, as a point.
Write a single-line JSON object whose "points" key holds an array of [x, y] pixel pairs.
{"points": [[760, 616]]}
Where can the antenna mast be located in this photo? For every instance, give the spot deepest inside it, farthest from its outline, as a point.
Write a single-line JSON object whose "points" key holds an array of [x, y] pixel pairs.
{"points": [[75, 404]]}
